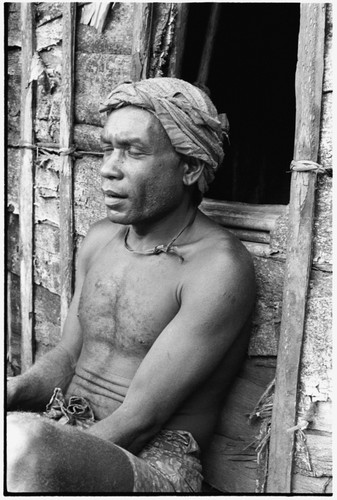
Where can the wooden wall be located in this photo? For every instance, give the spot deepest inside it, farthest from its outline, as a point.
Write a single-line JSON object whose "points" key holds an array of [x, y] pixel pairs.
{"points": [[102, 60]]}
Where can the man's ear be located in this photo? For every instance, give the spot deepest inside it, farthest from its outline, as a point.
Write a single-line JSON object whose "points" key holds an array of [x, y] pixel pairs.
{"points": [[192, 171]]}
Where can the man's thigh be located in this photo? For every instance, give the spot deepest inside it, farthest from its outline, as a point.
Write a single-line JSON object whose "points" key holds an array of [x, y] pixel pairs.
{"points": [[43, 456]]}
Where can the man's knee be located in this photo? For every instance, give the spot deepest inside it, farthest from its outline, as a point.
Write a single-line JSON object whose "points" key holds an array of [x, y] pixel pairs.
{"points": [[29, 454]]}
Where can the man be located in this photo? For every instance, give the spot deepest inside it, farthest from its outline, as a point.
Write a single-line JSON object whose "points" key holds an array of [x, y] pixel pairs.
{"points": [[159, 320]]}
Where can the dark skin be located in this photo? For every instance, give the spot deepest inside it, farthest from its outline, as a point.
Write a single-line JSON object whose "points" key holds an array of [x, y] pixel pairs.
{"points": [[150, 341]]}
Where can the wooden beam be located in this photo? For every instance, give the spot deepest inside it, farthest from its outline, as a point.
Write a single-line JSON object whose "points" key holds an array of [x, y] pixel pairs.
{"points": [[26, 196], [309, 77], [142, 28], [66, 169], [243, 215]]}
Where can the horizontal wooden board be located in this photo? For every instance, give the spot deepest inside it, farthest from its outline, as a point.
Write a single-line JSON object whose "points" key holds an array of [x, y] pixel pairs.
{"points": [[87, 137], [243, 215]]}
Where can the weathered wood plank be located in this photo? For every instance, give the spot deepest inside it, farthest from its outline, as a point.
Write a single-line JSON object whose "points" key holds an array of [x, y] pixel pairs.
{"points": [[143, 13], [176, 59], [309, 77], [253, 236], [26, 201], [66, 174]]}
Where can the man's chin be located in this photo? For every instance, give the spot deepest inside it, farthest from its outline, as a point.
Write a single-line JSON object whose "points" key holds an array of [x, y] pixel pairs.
{"points": [[118, 217]]}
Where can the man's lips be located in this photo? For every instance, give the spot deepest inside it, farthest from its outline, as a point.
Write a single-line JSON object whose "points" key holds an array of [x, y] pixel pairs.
{"points": [[112, 194], [111, 198]]}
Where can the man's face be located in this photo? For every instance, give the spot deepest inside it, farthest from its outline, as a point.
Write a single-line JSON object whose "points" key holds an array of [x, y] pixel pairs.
{"points": [[142, 175]]}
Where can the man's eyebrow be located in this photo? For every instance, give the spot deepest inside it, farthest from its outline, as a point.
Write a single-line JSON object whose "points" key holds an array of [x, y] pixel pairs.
{"points": [[123, 140]]}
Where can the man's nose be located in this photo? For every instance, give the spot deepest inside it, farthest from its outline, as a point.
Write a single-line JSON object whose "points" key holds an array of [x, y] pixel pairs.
{"points": [[112, 165]]}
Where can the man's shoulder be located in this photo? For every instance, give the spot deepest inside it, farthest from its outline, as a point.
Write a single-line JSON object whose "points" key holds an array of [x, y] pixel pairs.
{"points": [[220, 260], [219, 248], [99, 235]]}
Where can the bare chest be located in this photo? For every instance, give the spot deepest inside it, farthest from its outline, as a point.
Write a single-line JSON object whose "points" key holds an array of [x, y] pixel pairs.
{"points": [[127, 301]]}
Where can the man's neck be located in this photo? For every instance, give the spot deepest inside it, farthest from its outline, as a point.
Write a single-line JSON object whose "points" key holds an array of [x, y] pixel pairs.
{"points": [[161, 231]]}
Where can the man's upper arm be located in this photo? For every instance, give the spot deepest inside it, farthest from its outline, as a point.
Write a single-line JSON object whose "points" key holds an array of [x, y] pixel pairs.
{"points": [[215, 304]]}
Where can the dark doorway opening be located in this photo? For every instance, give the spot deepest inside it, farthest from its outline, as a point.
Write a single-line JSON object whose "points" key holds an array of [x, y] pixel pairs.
{"points": [[252, 80]]}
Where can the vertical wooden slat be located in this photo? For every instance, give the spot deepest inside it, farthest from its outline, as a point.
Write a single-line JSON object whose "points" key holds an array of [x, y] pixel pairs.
{"points": [[176, 59], [309, 76], [66, 169], [142, 27], [26, 196], [209, 43]]}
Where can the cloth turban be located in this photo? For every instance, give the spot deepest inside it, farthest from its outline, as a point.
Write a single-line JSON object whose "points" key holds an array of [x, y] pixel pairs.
{"points": [[186, 113]]}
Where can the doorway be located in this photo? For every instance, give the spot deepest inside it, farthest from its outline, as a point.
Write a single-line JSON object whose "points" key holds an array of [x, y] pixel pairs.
{"points": [[252, 80]]}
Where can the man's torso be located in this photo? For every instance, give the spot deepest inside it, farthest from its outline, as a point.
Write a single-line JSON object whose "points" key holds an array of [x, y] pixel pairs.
{"points": [[126, 302]]}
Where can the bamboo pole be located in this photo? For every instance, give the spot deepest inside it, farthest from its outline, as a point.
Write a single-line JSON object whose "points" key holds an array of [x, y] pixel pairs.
{"points": [[26, 196], [309, 80], [66, 169], [209, 43], [142, 28]]}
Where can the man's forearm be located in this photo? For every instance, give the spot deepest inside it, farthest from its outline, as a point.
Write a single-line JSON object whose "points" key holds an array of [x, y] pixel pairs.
{"points": [[131, 433], [33, 389]]}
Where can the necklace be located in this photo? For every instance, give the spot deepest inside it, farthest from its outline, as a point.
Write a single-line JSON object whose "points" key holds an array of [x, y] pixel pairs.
{"points": [[169, 248]]}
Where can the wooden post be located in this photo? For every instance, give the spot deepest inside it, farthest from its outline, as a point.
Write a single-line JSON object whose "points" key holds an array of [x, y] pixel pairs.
{"points": [[209, 43], [309, 77], [142, 27], [66, 168], [26, 197], [176, 59]]}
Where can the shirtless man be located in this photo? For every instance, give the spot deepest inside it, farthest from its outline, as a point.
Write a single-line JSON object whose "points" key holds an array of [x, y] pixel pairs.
{"points": [[158, 324]]}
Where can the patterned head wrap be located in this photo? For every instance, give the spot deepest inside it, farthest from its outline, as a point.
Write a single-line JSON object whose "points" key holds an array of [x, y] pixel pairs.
{"points": [[186, 113]]}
